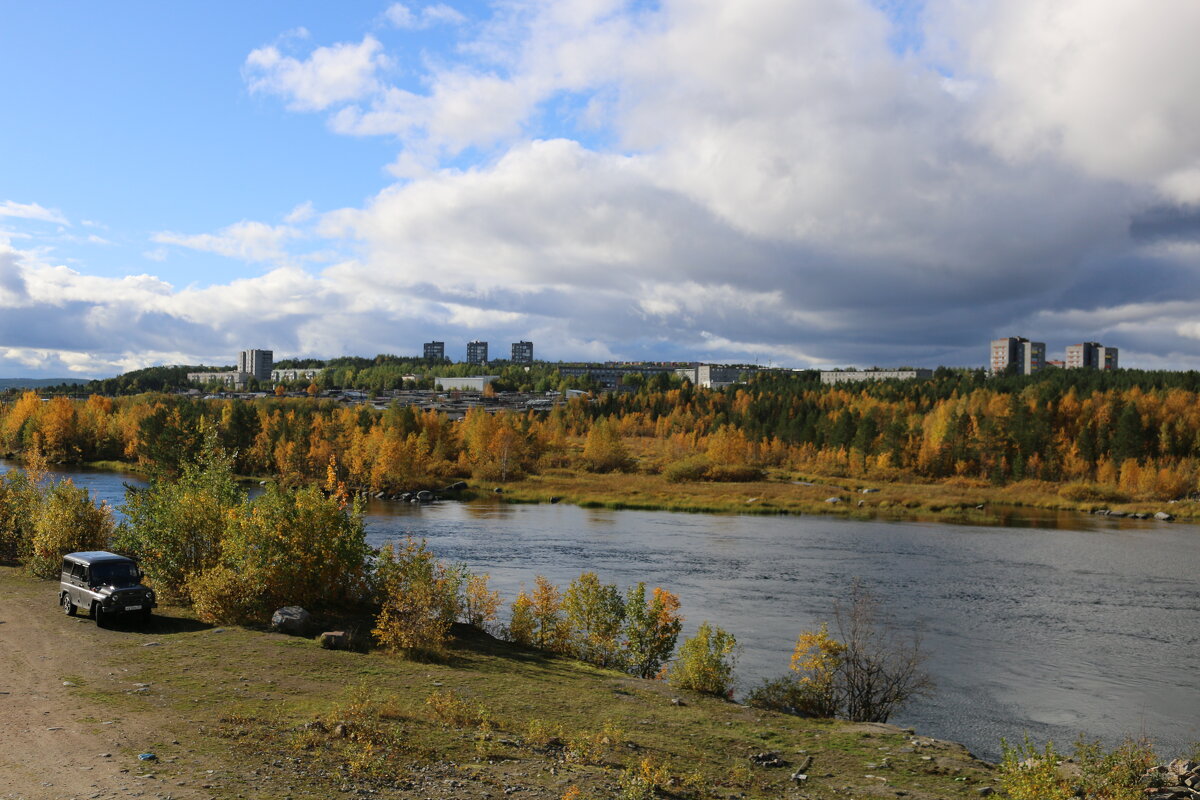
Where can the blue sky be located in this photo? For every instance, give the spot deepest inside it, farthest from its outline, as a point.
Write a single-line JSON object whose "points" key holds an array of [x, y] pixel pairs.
{"points": [[797, 182]]}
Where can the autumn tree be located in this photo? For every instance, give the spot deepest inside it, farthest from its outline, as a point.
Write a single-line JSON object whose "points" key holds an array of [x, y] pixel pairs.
{"points": [[594, 614], [521, 625], [603, 450], [174, 527], [419, 599], [480, 603], [552, 630], [651, 630], [66, 521], [811, 688], [287, 547]]}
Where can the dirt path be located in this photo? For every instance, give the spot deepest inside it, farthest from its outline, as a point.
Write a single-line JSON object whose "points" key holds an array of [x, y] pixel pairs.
{"points": [[55, 740]]}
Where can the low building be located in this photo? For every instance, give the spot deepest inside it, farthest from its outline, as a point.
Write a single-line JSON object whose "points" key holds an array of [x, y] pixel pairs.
{"points": [[292, 375], [612, 375], [233, 378], [715, 376], [830, 377], [475, 383]]}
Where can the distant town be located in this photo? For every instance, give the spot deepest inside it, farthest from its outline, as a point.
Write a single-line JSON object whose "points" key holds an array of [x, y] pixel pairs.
{"points": [[256, 368]]}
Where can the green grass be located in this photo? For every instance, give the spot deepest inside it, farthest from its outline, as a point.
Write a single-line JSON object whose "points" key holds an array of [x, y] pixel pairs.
{"points": [[263, 711]]}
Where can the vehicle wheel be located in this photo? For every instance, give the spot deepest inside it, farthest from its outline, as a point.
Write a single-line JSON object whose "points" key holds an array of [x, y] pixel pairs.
{"points": [[68, 606], [144, 615], [98, 615]]}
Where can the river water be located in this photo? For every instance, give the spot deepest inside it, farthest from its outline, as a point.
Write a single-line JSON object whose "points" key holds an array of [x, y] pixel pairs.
{"points": [[1052, 625]]}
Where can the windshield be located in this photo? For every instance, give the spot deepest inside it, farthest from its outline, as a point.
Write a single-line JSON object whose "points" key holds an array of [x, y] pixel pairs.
{"points": [[117, 573]]}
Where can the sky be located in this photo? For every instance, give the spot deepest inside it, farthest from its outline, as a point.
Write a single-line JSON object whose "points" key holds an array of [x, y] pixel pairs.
{"points": [[802, 183]]}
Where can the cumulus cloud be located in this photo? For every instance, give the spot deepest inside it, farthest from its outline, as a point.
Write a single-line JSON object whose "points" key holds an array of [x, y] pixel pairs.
{"points": [[248, 241], [805, 181], [329, 75], [1107, 86], [31, 211], [780, 174], [402, 16]]}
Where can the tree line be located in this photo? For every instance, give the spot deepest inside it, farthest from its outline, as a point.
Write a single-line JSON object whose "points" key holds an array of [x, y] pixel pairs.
{"points": [[1137, 434]]}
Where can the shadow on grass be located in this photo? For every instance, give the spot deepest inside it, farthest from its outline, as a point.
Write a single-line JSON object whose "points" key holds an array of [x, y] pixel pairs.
{"points": [[157, 625], [471, 644]]}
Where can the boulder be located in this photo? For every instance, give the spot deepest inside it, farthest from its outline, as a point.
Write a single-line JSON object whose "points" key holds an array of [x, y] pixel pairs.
{"points": [[334, 640], [833, 499], [425, 496], [1164, 516], [457, 486], [291, 619]]}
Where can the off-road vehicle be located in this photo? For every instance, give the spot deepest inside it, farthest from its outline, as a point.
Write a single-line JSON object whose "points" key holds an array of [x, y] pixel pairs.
{"points": [[103, 585]]}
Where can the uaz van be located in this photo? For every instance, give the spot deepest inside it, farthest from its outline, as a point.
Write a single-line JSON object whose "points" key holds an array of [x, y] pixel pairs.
{"points": [[103, 584]]}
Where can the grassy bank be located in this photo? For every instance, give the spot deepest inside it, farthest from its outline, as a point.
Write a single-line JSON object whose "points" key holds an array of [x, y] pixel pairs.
{"points": [[954, 500], [234, 712]]}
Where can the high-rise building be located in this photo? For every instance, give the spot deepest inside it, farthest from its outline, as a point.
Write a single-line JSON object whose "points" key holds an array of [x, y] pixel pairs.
{"points": [[1091, 355], [435, 351], [257, 363], [477, 352], [522, 352], [1030, 357]]}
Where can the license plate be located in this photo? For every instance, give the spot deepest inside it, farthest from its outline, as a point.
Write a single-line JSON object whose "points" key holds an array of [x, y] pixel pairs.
{"points": [[133, 608]]}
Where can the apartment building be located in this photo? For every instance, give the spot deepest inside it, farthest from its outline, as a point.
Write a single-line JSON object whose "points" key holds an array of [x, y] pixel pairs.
{"points": [[477, 352], [435, 351], [522, 352], [1029, 357], [1091, 355]]}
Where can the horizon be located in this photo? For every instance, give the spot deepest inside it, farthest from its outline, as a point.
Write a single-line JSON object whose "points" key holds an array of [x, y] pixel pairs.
{"points": [[813, 183]]}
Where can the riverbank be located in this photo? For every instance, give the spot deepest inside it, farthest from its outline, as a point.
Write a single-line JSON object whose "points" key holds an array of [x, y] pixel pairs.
{"points": [[955, 500], [237, 712]]}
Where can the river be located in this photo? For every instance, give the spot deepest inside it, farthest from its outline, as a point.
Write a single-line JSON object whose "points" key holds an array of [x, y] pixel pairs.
{"points": [[1051, 625]]}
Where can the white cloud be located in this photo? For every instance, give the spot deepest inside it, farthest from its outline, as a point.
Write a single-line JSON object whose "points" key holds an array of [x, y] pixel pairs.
{"points": [[1108, 86], [32, 211], [402, 16], [709, 178], [330, 75], [248, 241]]}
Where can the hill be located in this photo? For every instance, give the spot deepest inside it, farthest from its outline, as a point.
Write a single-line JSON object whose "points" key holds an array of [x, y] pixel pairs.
{"points": [[38, 383], [234, 712]]}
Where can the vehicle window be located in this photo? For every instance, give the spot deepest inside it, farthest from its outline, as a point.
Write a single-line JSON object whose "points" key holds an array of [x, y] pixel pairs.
{"points": [[78, 571], [66, 567], [114, 574]]}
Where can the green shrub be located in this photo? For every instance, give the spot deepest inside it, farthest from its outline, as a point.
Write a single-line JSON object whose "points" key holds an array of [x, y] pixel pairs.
{"points": [[288, 547], [1027, 773], [20, 499], [705, 662], [692, 468], [733, 473], [419, 599], [1082, 492], [66, 521], [789, 694], [174, 527]]}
